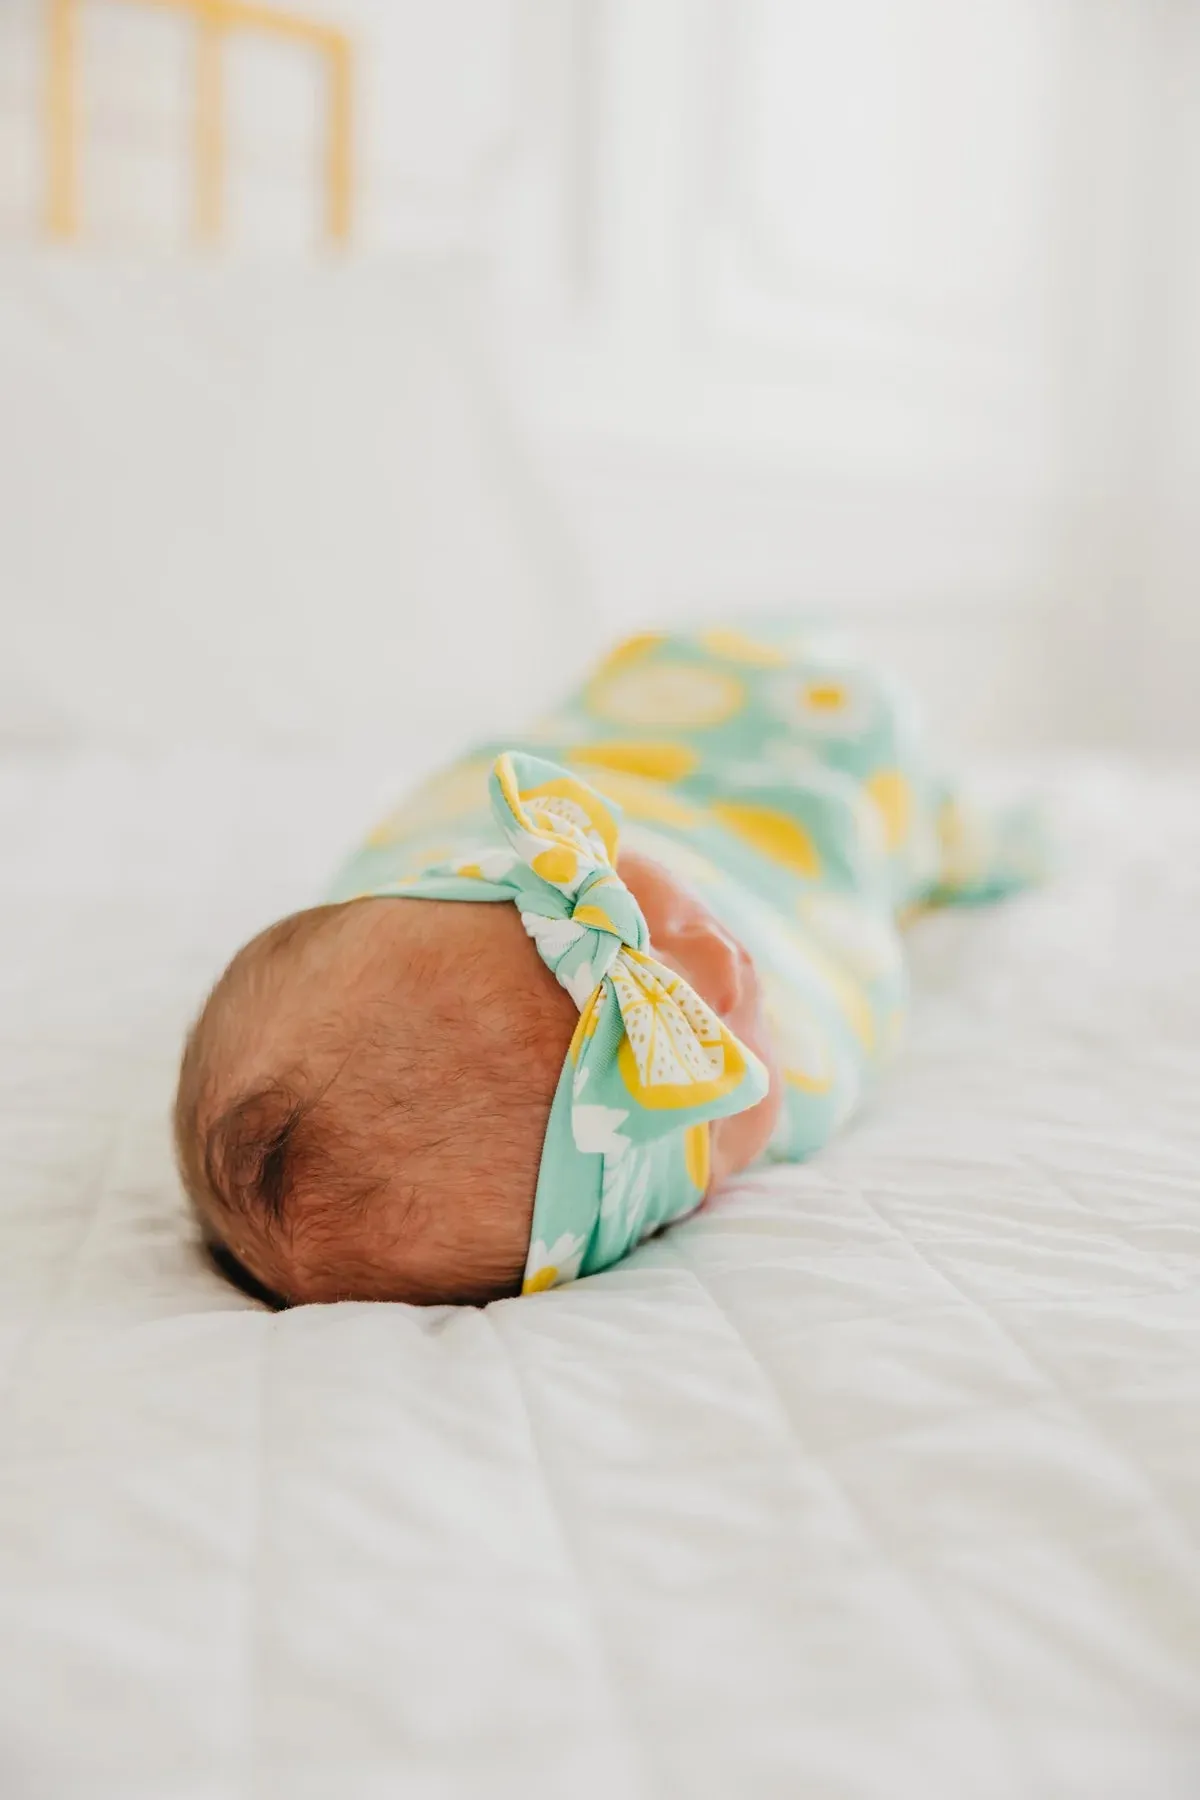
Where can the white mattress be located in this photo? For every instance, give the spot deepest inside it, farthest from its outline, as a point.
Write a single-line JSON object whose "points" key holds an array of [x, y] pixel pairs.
{"points": [[880, 1478]]}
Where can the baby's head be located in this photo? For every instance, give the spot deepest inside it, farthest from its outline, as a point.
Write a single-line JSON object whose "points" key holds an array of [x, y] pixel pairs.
{"points": [[363, 1100]]}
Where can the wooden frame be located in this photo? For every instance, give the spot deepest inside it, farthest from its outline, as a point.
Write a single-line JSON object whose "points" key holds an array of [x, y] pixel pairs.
{"points": [[215, 19]]}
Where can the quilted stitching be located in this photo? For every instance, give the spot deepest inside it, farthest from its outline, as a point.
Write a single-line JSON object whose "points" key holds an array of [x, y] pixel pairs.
{"points": [[880, 1476]]}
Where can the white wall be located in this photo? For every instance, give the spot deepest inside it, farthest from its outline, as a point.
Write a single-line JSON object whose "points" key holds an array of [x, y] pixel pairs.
{"points": [[1158, 652], [886, 308], [853, 308]]}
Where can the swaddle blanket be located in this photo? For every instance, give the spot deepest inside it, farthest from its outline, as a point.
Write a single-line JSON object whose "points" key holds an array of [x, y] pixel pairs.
{"points": [[789, 785]]}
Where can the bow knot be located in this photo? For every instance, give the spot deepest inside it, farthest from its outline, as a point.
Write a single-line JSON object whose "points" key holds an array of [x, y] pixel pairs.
{"points": [[578, 911], [650, 1063]]}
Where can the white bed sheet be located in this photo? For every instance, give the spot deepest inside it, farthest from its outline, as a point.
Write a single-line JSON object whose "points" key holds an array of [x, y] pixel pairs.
{"points": [[880, 1478]]}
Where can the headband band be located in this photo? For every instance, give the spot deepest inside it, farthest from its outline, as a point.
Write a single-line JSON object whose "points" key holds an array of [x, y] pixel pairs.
{"points": [[649, 1065]]}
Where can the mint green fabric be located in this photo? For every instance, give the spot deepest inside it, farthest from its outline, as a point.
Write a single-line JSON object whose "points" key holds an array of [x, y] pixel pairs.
{"points": [[789, 784], [650, 1064]]}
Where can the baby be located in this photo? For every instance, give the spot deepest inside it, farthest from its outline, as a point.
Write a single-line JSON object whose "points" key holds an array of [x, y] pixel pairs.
{"points": [[580, 980]]}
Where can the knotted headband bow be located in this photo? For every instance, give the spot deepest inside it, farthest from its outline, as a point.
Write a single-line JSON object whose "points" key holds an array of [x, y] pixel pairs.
{"points": [[649, 1065]]}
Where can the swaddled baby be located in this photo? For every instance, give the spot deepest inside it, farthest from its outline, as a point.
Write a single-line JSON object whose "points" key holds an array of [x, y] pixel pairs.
{"points": [[579, 980]]}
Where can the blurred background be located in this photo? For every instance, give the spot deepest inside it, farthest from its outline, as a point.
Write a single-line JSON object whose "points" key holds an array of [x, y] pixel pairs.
{"points": [[366, 364]]}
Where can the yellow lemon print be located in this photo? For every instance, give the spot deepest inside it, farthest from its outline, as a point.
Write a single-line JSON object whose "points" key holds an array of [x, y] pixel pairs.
{"points": [[674, 696], [642, 799], [696, 1156], [596, 917], [506, 775], [893, 800], [675, 1052], [736, 647], [585, 1027], [553, 803], [632, 650], [557, 864], [772, 833], [657, 762]]}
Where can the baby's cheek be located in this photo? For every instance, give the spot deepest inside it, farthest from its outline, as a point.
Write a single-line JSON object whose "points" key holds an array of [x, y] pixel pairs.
{"points": [[737, 1141]]}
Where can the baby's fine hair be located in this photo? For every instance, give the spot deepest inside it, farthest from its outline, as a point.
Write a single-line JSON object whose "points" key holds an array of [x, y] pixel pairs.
{"points": [[356, 1113]]}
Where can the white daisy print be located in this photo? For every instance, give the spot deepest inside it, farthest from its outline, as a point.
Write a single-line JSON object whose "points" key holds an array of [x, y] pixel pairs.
{"points": [[666, 696], [596, 1129], [581, 983], [625, 1192], [494, 864], [831, 702], [619, 1173], [550, 1265], [553, 937]]}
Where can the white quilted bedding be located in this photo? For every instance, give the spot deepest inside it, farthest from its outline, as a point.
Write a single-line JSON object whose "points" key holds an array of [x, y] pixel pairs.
{"points": [[882, 1478]]}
